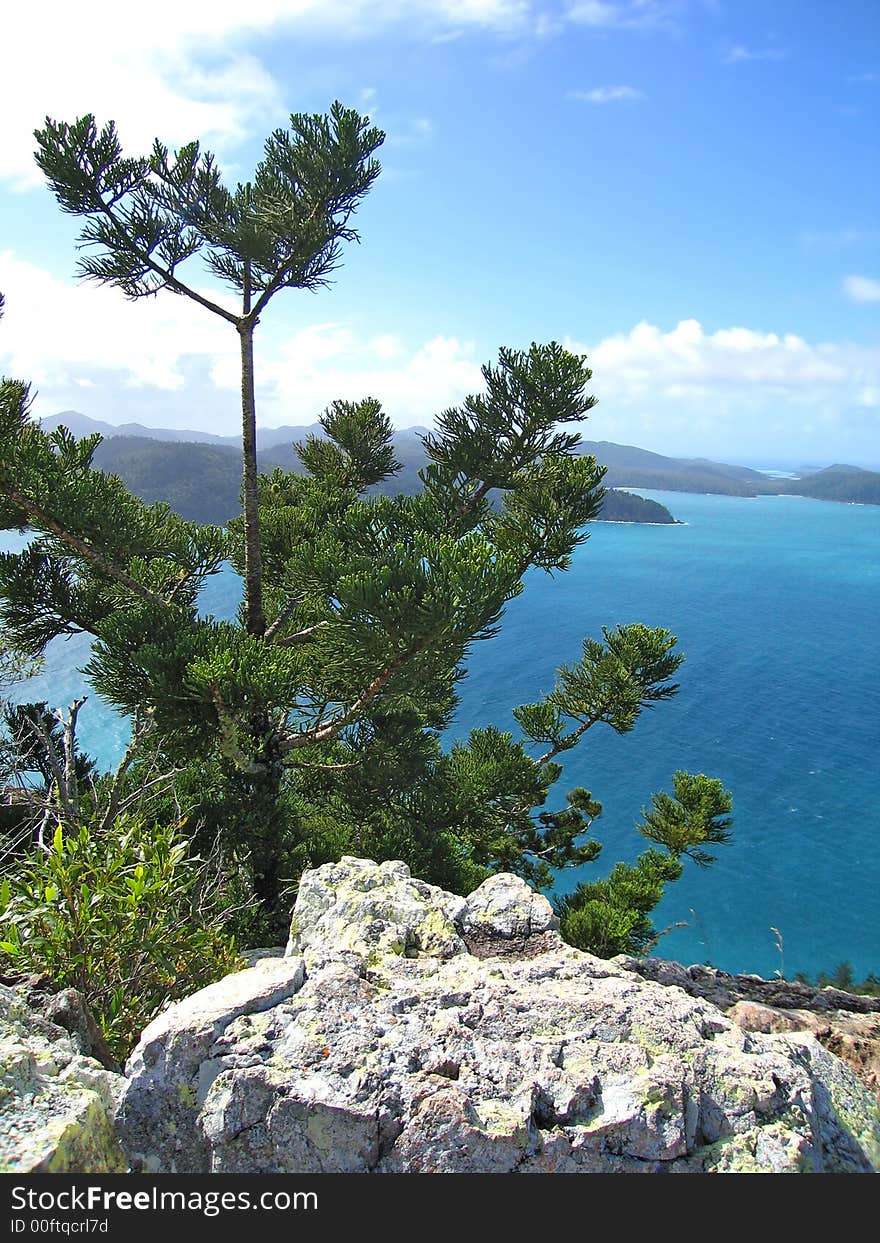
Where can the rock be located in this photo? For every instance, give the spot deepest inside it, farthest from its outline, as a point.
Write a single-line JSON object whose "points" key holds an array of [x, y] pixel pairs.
{"points": [[854, 1038], [178, 1058], [381, 1044], [725, 990], [56, 1106], [848, 1025], [65, 1008], [371, 910], [504, 916]]}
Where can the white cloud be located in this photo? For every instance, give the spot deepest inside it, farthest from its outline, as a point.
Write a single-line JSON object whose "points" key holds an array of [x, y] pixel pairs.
{"points": [[166, 362], [862, 288], [740, 54], [648, 361], [606, 94], [186, 70], [57, 333], [688, 390], [324, 362], [623, 14], [192, 69], [77, 341], [178, 86]]}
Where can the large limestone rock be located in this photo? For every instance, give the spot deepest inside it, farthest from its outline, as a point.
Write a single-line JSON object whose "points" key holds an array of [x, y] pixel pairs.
{"points": [[56, 1105], [407, 1030]]}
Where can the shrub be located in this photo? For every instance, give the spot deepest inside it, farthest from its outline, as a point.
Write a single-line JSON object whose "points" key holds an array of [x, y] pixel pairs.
{"points": [[129, 917]]}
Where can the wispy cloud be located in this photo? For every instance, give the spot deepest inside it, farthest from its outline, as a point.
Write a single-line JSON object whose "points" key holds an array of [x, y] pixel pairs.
{"points": [[195, 69], [624, 14], [740, 54], [838, 239], [862, 288], [858, 79], [606, 94], [401, 131]]}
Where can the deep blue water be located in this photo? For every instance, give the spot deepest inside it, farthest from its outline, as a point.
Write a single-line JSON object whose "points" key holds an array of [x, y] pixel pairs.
{"points": [[775, 602]]}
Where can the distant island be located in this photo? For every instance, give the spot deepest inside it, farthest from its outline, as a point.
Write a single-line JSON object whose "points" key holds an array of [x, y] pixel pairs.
{"points": [[198, 474], [200, 478]]}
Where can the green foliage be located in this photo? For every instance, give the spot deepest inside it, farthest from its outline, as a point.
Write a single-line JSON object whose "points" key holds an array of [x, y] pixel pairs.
{"points": [[611, 916], [696, 816], [128, 916], [145, 217], [844, 978], [15, 665], [309, 727]]}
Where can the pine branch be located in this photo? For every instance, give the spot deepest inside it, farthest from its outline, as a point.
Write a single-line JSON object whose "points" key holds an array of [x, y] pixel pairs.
{"points": [[84, 549], [283, 617], [71, 794], [301, 636], [565, 744], [164, 274], [324, 733], [37, 727]]}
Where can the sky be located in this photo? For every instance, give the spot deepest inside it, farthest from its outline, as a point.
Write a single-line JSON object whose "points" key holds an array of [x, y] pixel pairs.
{"points": [[686, 191]]}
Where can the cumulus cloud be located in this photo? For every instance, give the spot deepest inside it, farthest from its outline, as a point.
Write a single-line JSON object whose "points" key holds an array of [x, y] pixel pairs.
{"points": [[57, 333], [324, 362], [180, 85], [646, 360], [689, 390], [85, 347], [682, 389], [862, 288], [606, 94]]}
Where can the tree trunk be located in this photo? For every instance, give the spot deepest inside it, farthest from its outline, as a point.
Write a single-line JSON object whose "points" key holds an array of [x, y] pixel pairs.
{"points": [[254, 618]]}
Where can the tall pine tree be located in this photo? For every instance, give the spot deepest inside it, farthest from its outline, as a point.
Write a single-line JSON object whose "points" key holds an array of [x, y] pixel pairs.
{"points": [[312, 725]]}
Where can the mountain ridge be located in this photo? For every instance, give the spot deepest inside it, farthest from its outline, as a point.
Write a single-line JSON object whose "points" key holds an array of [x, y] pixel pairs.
{"points": [[627, 466]]}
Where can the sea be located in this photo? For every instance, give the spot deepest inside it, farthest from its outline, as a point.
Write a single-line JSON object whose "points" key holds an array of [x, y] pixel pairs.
{"points": [[775, 601]]}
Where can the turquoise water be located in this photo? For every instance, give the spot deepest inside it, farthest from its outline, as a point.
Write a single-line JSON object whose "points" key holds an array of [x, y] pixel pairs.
{"points": [[775, 602]]}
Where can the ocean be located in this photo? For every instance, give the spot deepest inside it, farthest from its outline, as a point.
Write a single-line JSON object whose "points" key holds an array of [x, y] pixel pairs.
{"points": [[775, 602]]}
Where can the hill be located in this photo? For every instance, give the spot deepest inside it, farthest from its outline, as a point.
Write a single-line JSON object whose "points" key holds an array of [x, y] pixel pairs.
{"points": [[200, 481], [837, 483], [627, 465]]}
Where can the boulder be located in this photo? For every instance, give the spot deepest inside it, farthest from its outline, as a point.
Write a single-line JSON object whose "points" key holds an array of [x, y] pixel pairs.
{"points": [[57, 1106], [847, 1024], [407, 1030]]}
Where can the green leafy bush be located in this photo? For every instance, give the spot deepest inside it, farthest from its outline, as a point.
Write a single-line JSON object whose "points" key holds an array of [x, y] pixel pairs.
{"points": [[129, 917]]}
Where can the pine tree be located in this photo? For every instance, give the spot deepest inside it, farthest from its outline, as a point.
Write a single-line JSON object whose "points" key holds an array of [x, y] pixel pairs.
{"points": [[145, 217], [311, 727]]}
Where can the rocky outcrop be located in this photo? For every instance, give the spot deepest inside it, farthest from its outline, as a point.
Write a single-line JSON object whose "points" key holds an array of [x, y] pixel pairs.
{"points": [[408, 1030], [725, 990], [65, 1007], [844, 1023], [57, 1106]]}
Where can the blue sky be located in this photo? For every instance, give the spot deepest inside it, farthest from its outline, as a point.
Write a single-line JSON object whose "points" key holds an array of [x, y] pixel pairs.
{"points": [[684, 190]]}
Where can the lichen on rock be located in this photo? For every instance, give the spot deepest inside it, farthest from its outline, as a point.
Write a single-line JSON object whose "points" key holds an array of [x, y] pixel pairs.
{"points": [[57, 1106], [409, 1030]]}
